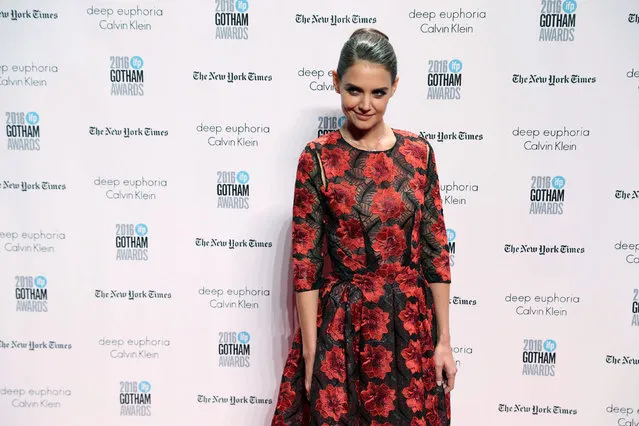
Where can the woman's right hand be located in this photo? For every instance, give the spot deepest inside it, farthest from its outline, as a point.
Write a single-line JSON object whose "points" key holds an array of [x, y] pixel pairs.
{"points": [[309, 360]]}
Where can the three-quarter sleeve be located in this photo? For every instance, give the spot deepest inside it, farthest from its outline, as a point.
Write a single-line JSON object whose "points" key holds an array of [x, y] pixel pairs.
{"points": [[308, 223], [435, 257]]}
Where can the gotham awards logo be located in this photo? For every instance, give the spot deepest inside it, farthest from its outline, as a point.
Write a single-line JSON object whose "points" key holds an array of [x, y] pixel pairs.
{"points": [[547, 195], [132, 242], [451, 235], [231, 19], [539, 357], [31, 294], [328, 124], [557, 20], [234, 349], [126, 76], [233, 190], [135, 398], [23, 131], [444, 79]]}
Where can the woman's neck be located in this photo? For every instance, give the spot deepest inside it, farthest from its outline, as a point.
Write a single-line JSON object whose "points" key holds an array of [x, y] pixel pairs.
{"points": [[369, 136]]}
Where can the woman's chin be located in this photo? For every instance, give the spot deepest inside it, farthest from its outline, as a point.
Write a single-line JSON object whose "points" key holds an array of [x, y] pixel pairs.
{"points": [[363, 125]]}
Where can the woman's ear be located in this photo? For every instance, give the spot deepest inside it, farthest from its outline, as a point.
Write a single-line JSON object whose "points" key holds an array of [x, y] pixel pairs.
{"points": [[394, 86], [335, 80]]}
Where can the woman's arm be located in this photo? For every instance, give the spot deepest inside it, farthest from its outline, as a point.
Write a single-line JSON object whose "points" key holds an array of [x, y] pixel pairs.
{"points": [[307, 313], [436, 268], [441, 294], [444, 361], [308, 259]]}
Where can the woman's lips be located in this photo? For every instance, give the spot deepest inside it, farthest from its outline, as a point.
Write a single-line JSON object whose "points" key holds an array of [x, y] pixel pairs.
{"points": [[363, 117]]}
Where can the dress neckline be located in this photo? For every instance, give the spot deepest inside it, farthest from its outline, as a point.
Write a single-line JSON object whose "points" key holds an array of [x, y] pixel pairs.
{"points": [[340, 137]]}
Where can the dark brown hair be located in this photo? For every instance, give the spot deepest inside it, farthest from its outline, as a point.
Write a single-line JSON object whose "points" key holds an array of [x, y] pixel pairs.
{"points": [[368, 44]]}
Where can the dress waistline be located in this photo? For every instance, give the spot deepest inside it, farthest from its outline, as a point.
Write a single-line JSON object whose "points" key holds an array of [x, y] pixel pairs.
{"points": [[408, 278]]}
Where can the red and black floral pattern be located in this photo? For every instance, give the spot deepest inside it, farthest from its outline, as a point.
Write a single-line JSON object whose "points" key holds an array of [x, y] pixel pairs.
{"points": [[380, 215]]}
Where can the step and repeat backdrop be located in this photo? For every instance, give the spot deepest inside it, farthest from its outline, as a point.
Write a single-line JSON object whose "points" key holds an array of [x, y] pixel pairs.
{"points": [[147, 163]]}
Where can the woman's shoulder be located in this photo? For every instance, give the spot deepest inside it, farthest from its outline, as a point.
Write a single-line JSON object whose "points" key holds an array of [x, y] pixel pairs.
{"points": [[322, 141], [406, 133], [413, 137]]}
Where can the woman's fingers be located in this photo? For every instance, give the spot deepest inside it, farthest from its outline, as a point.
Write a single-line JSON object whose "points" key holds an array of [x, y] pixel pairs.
{"points": [[451, 372]]}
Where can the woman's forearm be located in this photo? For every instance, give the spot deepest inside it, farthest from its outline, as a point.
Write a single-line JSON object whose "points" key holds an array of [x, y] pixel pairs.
{"points": [[441, 294], [307, 313]]}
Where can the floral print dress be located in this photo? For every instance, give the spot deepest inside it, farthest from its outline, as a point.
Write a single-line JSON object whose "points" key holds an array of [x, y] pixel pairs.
{"points": [[379, 217]]}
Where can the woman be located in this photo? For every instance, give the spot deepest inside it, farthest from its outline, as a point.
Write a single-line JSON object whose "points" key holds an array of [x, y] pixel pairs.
{"points": [[373, 346]]}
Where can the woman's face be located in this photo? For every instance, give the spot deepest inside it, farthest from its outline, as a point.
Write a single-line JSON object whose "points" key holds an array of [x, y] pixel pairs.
{"points": [[365, 89]]}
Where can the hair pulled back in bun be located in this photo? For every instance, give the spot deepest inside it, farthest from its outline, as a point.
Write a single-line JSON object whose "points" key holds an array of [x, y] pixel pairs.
{"points": [[368, 44]]}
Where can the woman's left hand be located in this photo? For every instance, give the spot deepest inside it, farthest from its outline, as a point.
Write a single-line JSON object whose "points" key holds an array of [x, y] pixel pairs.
{"points": [[444, 361]]}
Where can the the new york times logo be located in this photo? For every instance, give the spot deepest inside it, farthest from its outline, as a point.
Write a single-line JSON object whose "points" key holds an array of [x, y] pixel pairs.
{"points": [[557, 20], [233, 400], [36, 14], [539, 357], [334, 20], [233, 190], [32, 345], [23, 131], [444, 79], [126, 76], [452, 244], [622, 360], [554, 80], [536, 410], [620, 194], [547, 195], [32, 186], [135, 398], [132, 242], [452, 137], [234, 349], [231, 77], [459, 301], [31, 293], [328, 124], [231, 19]]}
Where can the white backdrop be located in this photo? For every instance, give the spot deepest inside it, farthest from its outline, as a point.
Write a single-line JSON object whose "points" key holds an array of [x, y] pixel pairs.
{"points": [[155, 356]]}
